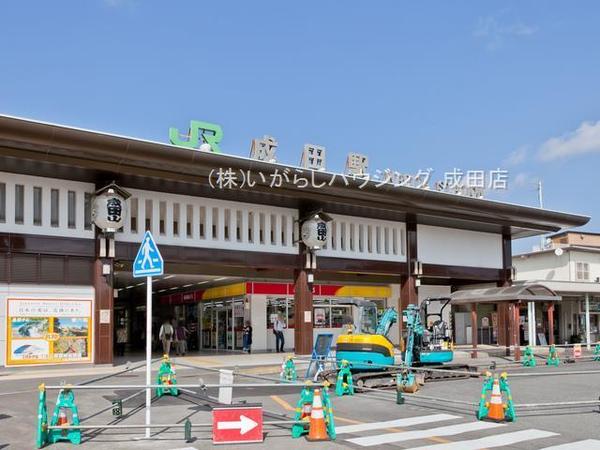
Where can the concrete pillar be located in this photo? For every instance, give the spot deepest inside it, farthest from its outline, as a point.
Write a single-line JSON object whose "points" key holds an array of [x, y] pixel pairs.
{"points": [[531, 322], [588, 340]]}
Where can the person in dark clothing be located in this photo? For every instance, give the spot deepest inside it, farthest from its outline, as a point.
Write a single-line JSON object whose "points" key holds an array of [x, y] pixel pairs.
{"points": [[278, 327], [247, 338]]}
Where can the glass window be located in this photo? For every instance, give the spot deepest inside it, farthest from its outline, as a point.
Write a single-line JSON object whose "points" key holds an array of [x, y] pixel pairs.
{"points": [[188, 220], [72, 201], [583, 271], [19, 203], [87, 211], [341, 316], [291, 313], [54, 204], [2, 202], [148, 213], [37, 206], [321, 313], [276, 306], [162, 211], [176, 219]]}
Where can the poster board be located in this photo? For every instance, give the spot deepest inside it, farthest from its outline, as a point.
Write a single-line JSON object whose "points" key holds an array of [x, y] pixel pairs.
{"points": [[48, 331]]}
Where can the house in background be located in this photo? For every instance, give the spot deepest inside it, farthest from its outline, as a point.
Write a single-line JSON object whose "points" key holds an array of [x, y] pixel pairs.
{"points": [[569, 265]]}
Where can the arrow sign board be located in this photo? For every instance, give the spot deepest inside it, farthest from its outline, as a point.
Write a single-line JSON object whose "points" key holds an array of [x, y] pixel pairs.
{"points": [[237, 424], [148, 261]]}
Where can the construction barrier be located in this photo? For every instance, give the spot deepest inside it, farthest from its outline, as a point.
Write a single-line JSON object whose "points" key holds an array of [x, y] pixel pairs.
{"points": [[495, 408], [528, 357], [344, 384], [597, 352], [61, 427], [288, 370], [304, 408], [553, 359], [166, 377]]}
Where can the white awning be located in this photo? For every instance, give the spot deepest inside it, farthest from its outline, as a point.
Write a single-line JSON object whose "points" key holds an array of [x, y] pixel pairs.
{"points": [[533, 292]]}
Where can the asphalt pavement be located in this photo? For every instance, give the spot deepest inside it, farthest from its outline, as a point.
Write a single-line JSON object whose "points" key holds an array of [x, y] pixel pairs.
{"points": [[370, 419]]}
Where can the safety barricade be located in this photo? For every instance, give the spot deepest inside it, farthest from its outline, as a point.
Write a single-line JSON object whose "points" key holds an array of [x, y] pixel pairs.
{"points": [[344, 383], [314, 409], [288, 370], [553, 359], [495, 408], [65, 423], [528, 357], [166, 378]]}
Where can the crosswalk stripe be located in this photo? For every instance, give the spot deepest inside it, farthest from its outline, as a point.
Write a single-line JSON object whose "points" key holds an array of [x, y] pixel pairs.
{"points": [[450, 430], [497, 440], [407, 422], [588, 444]]}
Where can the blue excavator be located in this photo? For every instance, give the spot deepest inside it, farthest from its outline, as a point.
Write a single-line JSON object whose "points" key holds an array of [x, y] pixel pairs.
{"points": [[371, 355]]}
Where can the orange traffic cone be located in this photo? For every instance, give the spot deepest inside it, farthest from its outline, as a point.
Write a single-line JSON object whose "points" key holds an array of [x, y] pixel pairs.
{"points": [[317, 428], [496, 409], [62, 418]]}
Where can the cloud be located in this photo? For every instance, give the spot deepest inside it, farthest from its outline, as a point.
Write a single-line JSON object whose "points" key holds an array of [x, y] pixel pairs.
{"points": [[494, 33], [522, 179], [517, 157], [585, 139]]}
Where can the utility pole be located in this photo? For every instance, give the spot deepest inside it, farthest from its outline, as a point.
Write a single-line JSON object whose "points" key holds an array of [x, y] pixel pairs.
{"points": [[541, 203]]}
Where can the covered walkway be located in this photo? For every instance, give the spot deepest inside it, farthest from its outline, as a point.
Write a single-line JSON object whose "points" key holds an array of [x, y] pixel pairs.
{"points": [[508, 300]]}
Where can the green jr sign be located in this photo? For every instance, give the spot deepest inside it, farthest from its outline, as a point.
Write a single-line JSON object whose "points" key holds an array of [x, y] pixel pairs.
{"points": [[210, 133]]}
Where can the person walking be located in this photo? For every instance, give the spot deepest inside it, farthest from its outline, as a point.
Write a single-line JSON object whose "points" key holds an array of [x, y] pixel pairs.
{"points": [[165, 335], [247, 337], [278, 328], [121, 340], [181, 334]]}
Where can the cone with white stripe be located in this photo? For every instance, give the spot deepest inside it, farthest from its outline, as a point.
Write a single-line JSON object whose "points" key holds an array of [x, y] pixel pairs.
{"points": [[318, 428], [496, 408]]}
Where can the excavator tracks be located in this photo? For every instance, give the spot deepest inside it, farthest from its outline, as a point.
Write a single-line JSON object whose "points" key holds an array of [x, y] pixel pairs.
{"points": [[387, 379]]}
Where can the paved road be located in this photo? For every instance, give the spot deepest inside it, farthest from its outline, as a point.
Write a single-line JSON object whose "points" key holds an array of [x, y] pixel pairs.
{"points": [[364, 420]]}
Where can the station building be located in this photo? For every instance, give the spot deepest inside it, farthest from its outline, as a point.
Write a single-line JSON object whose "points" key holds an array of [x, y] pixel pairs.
{"points": [[569, 264], [231, 255]]}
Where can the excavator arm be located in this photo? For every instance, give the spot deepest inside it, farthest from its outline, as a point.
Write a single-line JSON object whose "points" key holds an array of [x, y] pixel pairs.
{"points": [[389, 317]]}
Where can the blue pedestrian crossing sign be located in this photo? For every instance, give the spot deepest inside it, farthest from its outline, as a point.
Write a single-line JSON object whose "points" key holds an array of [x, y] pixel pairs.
{"points": [[148, 261]]}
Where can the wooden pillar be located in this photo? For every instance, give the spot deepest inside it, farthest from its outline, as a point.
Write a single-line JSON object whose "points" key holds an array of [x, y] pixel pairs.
{"points": [[504, 332], [103, 332], [408, 285], [551, 323], [303, 309], [515, 340], [474, 329]]}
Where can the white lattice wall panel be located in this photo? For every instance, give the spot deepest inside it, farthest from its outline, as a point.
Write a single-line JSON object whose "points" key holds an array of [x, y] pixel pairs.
{"points": [[46, 206], [203, 222], [359, 238]]}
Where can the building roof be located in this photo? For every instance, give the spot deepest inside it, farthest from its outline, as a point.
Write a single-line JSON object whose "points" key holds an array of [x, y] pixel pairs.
{"points": [[45, 149], [564, 233], [529, 292], [565, 248]]}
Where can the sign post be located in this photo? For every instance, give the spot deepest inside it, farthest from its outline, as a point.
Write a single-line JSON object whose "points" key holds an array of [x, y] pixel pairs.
{"points": [[148, 262]]}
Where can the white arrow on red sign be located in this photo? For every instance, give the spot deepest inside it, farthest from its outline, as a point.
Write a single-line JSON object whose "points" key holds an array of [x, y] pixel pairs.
{"points": [[245, 424]]}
